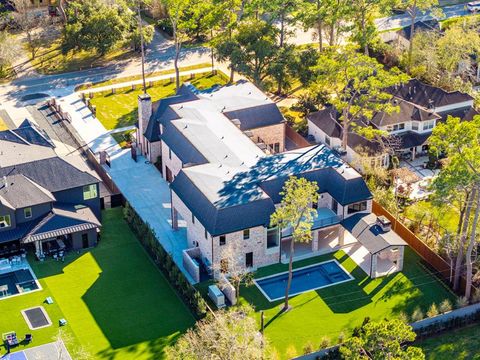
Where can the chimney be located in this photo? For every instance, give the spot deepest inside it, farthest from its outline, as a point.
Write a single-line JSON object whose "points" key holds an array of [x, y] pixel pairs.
{"points": [[144, 111]]}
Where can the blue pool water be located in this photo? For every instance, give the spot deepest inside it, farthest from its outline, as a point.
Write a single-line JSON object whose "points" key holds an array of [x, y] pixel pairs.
{"points": [[304, 279]]}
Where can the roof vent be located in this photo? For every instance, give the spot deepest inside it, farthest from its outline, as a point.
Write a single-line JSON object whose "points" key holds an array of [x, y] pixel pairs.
{"points": [[384, 223], [224, 108]]}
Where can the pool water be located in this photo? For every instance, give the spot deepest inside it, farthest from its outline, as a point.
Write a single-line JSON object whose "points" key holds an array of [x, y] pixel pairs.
{"points": [[18, 281], [304, 279]]}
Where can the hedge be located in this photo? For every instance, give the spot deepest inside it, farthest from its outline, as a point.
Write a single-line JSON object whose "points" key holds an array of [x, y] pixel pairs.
{"points": [[164, 261]]}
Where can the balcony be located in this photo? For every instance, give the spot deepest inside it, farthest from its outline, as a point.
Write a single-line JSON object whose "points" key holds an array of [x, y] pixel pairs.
{"points": [[325, 217]]}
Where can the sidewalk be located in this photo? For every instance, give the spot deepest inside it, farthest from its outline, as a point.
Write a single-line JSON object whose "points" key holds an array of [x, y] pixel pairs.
{"points": [[140, 182]]}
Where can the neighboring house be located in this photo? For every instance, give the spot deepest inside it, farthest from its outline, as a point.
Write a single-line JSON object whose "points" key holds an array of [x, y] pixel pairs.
{"points": [[35, 7], [222, 151], [420, 108], [401, 38], [47, 202]]}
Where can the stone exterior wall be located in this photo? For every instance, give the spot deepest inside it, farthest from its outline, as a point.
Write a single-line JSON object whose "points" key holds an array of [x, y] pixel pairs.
{"points": [[257, 244], [154, 151], [173, 162], [144, 114], [195, 230], [270, 135]]}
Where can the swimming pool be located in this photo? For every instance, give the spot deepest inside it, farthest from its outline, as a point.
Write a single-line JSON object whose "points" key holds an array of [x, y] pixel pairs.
{"points": [[304, 279], [17, 282]]}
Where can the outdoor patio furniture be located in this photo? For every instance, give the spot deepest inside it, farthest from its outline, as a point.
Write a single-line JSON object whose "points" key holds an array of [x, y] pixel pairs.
{"points": [[62, 322], [4, 290], [10, 338], [49, 300], [28, 338]]}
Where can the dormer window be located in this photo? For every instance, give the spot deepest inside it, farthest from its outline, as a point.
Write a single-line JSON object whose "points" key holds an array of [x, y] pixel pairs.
{"points": [[428, 125], [396, 127], [414, 125], [5, 221]]}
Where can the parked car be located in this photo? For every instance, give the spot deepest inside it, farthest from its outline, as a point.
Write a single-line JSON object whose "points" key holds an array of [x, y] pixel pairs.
{"points": [[473, 6]]}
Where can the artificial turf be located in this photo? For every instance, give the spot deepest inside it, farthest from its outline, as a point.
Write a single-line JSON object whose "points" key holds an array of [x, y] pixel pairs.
{"points": [[117, 303], [120, 109], [461, 344], [336, 310]]}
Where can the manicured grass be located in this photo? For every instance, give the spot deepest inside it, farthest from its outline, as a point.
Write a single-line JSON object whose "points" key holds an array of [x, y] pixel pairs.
{"points": [[117, 303], [122, 138], [459, 344], [336, 310], [120, 109], [139, 77]]}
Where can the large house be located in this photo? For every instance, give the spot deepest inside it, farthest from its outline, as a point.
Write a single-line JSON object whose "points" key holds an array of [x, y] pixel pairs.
{"points": [[46, 202], [420, 108], [223, 153]]}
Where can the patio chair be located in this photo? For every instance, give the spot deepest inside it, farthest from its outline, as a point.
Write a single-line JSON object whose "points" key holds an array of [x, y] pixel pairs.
{"points": [[28, 338]]}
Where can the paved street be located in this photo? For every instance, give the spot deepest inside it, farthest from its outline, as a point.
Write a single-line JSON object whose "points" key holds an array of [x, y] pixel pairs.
{"points": [[400, 21]]}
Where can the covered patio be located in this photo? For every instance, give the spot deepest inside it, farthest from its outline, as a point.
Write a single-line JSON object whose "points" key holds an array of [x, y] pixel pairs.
{"points": [[377, 249], [327, 236]]}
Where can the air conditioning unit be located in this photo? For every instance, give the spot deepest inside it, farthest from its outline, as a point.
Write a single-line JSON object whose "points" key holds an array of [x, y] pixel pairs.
{"points": [[217, 296], [384, 223]]}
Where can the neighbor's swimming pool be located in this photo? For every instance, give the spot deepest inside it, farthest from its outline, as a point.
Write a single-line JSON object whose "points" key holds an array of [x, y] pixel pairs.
{"points": [[304, 279]]}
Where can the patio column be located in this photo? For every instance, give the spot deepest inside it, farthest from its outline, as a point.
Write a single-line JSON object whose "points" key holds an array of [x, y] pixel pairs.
{"points": [[414, 152], [174, 219], [315, 240], [341, 236], [38, 248]]}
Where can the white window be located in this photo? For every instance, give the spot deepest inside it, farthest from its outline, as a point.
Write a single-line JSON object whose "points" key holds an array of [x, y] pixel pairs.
{"points": [[414, 125], [5, 221], [428, 125], [27, 212], [90, 192]]}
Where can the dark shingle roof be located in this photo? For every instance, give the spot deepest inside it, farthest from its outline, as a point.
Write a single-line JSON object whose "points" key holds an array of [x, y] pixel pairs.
{"points": [[256, 116], [32, 134], [328, 121], [180, 145], [426, 95], [18, 232], [20, 192], [406, 112], [162, 113], [246, 199], [411, 139], [53, 174]]}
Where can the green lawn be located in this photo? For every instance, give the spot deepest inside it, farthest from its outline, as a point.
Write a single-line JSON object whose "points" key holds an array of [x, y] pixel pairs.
{"points": [[459, 344], [332, 311], [117, 303], [120, 109]]}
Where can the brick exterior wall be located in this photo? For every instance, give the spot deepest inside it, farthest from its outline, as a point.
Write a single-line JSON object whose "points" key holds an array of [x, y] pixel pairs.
{"points": [[271, 135], [173, 163]]}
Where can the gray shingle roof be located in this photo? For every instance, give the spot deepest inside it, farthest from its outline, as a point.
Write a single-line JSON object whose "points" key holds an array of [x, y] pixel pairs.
{"points": [[53, 174], [406, 112], [363, 227], [19, 192]]}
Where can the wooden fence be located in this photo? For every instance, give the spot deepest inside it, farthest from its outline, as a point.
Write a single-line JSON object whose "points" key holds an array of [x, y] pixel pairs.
{"points": [[441, 266], [296, 137]]}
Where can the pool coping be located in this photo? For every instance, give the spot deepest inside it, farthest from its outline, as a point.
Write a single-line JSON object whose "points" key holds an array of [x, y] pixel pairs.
{"points": [[39, 286], [301, 268], [27, 320]]}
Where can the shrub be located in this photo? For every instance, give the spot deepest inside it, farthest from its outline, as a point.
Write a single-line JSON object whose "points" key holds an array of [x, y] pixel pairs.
{"points": [[165, 263], [462, 302], [403, 317], [308, 348], [417, 314], [445, 306], [432, 311], [291, 352], [325, 342]]}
